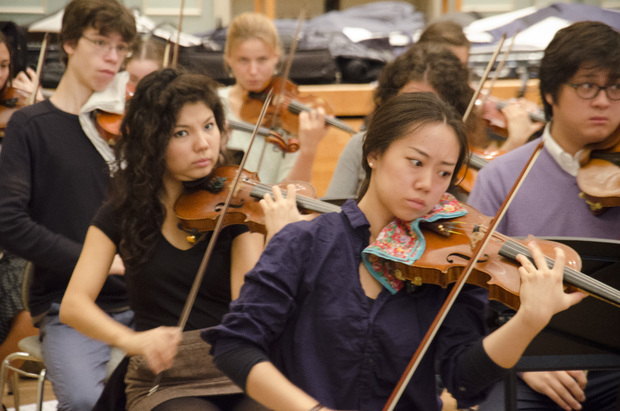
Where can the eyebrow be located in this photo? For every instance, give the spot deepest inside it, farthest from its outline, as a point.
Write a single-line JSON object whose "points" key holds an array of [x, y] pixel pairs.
{"points": [[422, 153], [210, 118]]}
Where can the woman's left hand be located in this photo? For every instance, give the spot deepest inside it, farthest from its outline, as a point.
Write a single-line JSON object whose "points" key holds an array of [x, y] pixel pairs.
{"points": [[312, 129], [542, 291], [23, 81], [278, 210]]}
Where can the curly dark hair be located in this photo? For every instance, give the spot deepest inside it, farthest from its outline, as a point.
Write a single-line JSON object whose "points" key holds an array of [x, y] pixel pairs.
{"points": [[147, 128], [433, 65], [400, 115], [585, 44]]}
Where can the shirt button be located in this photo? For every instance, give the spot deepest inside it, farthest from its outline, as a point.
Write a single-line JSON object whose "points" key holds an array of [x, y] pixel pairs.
{"points": [[462, 389]]}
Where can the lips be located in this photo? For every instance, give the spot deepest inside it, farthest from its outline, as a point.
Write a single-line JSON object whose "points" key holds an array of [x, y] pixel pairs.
{"points": [[416, 204], [599, 120], [204, 162]]}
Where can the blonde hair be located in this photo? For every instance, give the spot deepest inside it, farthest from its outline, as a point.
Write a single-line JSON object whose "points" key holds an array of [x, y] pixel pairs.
{"points": [[248, 26]]}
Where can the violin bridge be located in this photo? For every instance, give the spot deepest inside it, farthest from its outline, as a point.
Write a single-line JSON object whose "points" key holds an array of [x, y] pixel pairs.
{"points": [[476, 236]]}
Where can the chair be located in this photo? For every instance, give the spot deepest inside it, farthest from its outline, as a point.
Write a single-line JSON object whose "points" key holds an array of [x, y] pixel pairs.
{"points": [[31, 351]]}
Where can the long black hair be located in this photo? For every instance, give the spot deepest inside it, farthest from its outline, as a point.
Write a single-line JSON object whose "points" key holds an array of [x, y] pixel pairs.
{"points": [[147, 127]]}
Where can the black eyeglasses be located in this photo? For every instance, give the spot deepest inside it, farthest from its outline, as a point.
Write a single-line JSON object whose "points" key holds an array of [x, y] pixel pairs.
{"points": [[588, 91]]}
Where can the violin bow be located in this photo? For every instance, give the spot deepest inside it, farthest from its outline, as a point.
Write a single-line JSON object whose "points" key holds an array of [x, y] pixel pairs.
{"points": [[487, 70], [175, 54], [287, 69], [216, 232], [36, 81], [478, 249], [499, 68]]}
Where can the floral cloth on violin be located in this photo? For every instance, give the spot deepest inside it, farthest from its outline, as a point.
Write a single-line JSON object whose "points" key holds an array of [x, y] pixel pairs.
{"points": [[402, 241]]}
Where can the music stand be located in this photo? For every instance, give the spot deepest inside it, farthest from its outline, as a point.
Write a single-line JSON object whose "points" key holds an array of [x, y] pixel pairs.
{"points": [[587, 335]]}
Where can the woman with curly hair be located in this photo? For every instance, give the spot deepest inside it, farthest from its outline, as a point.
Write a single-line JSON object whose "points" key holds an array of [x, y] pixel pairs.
{"points": [[173, 133]]}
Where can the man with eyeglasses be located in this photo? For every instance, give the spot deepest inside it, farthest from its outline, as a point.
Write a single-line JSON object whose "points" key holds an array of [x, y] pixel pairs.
{"points": [[54, 176], [580, 87]]}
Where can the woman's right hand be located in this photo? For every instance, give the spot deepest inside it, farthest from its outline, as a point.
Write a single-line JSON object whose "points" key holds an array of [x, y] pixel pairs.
{"points": [[159, 346]]}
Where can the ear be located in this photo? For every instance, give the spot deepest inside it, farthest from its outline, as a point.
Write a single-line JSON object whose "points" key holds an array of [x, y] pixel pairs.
{"points": [[69, 47], [372, 158], [549, 98]]}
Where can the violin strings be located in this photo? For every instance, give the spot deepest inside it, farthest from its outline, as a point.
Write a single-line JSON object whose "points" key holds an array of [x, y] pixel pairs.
{"points": [[312, 204], [573, 276]]}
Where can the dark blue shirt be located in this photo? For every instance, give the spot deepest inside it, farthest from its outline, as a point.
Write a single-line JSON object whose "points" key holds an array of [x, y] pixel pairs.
{"points": [[304, 305]]}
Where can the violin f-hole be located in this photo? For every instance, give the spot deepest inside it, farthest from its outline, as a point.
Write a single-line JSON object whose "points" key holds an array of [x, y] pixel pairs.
{"points": [[450, 258], [219, 206]]}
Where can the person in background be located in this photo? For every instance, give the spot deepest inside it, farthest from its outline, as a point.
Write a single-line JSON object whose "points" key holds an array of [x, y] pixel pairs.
{"points": [[447, 33], [54, 177], [15, 321], [512, 121], [252, 52], [580, 87], [23, 80], [148, 57], [322, 323]]}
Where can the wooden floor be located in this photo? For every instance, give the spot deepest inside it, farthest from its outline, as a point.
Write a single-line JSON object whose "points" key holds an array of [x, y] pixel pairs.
{"points": [[28, 395]]}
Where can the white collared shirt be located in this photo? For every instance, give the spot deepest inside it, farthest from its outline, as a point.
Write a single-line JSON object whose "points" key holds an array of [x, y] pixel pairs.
{"points": [[567, 162]]}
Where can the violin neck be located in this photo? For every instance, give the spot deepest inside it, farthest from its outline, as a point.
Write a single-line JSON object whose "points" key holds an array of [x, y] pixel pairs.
{"points": [[510, 249], [538, 116], [248, 128], [303, 202], [476, 162], [296, 107]]}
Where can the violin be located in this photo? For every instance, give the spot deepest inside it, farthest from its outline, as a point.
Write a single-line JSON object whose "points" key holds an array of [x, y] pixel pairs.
{"points": [[290, 146], [11, 100], [478, 158], [288, 109], [449, 248], [200, 207], [109, 124], [599, 179]]}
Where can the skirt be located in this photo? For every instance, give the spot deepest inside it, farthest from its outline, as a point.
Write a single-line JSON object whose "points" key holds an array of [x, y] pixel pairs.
{"points": [[192, 374]]}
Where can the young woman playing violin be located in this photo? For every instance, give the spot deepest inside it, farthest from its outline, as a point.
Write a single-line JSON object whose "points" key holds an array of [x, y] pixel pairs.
{"points": [[317, 327], [13, 91], [173, 132], [15, 320], [252, 53]]}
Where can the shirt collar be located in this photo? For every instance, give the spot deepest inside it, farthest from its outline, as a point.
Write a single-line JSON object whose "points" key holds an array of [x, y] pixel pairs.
{"points": [[355, 216], [567, 162]]}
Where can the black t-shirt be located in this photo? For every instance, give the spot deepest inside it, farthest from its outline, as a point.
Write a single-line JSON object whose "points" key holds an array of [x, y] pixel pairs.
{"points": [[158, 290]]}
